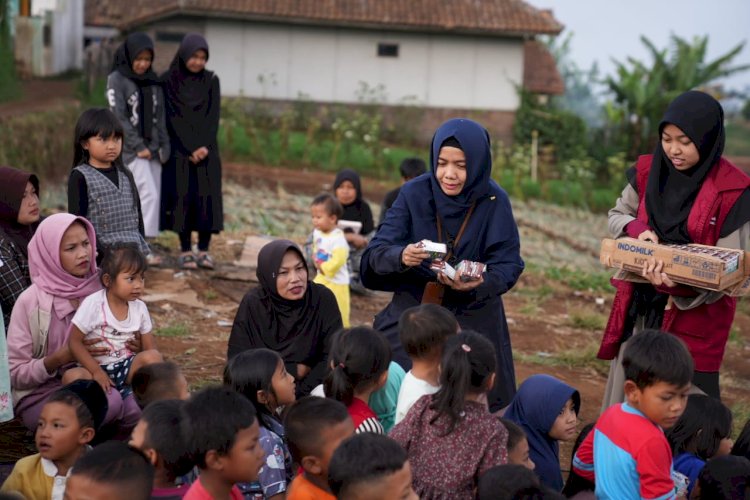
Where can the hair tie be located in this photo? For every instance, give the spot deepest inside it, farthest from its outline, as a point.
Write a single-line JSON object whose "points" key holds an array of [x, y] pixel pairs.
{"points": [[341, 365], [466, 348]]}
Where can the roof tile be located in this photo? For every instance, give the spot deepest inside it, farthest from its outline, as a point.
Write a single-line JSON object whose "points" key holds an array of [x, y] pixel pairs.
{"points": [[490, 17]]}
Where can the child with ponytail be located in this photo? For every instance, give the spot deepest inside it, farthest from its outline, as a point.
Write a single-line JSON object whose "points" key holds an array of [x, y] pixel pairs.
{"points": [[450, 436], [359, 366]]}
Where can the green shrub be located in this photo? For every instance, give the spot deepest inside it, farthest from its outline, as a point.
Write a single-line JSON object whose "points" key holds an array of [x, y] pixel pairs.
{"points": [[556, 191], [601, 200], [40, 142], [531, 189], [507, 181]]}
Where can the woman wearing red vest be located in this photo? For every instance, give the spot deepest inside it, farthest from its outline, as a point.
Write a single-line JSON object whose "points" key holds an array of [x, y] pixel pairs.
{"points": [[684, 193]]}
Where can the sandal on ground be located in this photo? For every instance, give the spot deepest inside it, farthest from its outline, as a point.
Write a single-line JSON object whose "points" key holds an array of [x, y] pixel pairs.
{"points": [[187, 262], [206, 261], [154, 260]]}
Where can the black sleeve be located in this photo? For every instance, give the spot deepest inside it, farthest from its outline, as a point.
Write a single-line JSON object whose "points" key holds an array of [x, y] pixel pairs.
{"points": [[332, 324], [239, 339], [214, 112], [631, 175], [78, 194], [737, 216], [367, 223], [134, 188]]}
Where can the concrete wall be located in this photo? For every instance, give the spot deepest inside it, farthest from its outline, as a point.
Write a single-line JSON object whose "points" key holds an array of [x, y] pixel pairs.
{"points": [[329, 64]]}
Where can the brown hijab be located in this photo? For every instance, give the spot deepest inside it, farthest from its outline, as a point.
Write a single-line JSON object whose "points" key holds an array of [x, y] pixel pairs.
{"points": [[14, 184]]}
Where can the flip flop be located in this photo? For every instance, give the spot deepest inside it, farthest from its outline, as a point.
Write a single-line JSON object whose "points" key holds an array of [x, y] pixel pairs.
{"points": [[187, 262], [206, 261]]}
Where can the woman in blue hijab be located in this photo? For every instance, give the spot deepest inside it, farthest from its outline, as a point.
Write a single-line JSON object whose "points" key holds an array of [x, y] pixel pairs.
{"points": [[547, 410], [456, 194]]}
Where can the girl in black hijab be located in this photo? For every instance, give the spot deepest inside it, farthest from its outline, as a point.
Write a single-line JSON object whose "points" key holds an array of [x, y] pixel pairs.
{"points": [[348, 190], [288, 314], [686, 192], [191, 192], [136, 98]]}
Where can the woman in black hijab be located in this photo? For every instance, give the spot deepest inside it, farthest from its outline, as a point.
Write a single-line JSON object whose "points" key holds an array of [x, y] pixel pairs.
{"points": [[289, 314], [686, 192], [191, 181], [348, 190]]}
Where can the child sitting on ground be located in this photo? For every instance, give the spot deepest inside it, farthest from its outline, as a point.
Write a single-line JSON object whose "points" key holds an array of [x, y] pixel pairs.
{"points": [[369, 466], [547, 410], [112, 471], [518, 445], [157, 382], [359, 366], [114, 315], [450, 436], [260, 375], [627, 454], [315, 427], [222, 432], [67, 424], [726, 477], [702, 432], [330, 251], [159, 436], [423, 330]]}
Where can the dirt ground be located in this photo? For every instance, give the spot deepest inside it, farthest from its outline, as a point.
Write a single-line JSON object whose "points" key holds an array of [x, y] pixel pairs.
{"points": [[40, 95]]}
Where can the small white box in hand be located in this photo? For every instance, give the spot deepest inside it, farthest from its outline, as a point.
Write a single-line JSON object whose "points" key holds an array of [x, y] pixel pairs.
{"points": [[436, 250], [353, 225]]}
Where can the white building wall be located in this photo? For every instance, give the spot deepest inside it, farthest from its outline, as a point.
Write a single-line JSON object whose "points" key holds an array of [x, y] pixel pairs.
{"points": [[282, 62]]}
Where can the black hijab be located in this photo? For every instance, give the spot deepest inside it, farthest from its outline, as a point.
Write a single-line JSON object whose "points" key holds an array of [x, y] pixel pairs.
{"points": [[125, 54], [670, 193], [359, 210], [14, 184], [288, 327], [187, 94]]}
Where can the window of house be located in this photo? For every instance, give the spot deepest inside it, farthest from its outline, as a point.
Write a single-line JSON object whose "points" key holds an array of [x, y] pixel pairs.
{"points": [[47, 35], [168, 36], [387, 50]]}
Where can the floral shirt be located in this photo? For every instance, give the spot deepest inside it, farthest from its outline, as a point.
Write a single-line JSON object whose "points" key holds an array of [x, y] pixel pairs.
{"points": [[276, 473], [447, 467]]}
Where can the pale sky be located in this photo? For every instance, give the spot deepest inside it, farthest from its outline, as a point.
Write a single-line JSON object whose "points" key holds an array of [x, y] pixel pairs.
{"points": [[606, 29]]}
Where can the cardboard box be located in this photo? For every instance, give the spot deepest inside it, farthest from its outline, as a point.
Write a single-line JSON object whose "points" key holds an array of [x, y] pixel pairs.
{"points": [[712, 268]]}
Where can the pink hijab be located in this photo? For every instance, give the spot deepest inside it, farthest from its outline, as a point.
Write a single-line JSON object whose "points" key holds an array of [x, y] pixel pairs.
{"points": [[45, 268]]}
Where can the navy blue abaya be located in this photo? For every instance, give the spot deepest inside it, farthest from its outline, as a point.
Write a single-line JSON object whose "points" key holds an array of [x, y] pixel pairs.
{"points": [[491, 237]]}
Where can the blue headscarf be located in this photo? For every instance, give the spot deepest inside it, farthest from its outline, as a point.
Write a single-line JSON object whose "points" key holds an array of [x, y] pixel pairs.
{"points": [[475, 143], [535, 408]]}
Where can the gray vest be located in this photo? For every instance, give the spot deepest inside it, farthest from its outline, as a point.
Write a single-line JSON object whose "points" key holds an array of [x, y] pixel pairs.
{"points": [[112, 209]]}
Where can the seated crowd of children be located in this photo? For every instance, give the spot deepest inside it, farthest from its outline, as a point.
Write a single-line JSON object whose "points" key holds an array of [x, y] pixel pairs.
{"points": [[251, 438]]}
